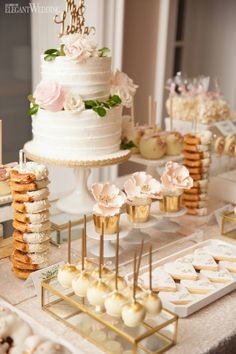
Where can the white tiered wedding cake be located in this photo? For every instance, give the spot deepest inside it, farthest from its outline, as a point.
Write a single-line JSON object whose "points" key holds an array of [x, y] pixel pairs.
{"points": [[77, 107]]}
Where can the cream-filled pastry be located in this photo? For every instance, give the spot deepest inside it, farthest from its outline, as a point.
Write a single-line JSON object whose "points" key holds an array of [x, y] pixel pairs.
{"points": [[36, 218], [32, 196], [31, 207], [32, 237]]}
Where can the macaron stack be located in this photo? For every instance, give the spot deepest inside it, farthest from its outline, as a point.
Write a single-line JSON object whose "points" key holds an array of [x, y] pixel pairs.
{"points": [[28, 183], [197, 160]]}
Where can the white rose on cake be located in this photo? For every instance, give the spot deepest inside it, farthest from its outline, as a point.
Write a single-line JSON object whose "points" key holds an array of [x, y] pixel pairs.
{"points": [[73, 103], [124, 87], [79, 48]]}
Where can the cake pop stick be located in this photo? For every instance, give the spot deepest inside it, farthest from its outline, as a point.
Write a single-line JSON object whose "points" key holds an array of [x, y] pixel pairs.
{"points": [[150, 268], [83, 248], [85, 236], [117, 259], [69, 242], [140, 257], [171, 111], [134, 278], [149, 110], [132, 113], [154, 112]]}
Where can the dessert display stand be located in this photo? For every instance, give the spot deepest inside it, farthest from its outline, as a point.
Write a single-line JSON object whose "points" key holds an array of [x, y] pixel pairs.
{"points": [[137, 234], [167, 225], [109, 248], [79, 201], [152, 166]]}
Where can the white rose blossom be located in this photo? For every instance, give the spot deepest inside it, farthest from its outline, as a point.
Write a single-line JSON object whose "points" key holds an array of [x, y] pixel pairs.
{"points": [[74, 103], [124, 87], [78, 47]]}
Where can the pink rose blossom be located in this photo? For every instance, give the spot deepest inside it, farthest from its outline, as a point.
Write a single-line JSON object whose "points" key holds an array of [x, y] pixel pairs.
{"points": [[176, 177], [142, 185], [124, 87], [50, 96]]}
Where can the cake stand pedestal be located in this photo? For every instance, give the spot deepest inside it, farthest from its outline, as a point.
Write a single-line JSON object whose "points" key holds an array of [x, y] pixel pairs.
{"points": [[136, 235], [167, 225], [152, 166], [79, 201], [109, 248]]}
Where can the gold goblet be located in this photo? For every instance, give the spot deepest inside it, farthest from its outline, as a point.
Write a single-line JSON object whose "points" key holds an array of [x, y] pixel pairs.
{"points": [[138, 211], [111, 223], [170, 203]]}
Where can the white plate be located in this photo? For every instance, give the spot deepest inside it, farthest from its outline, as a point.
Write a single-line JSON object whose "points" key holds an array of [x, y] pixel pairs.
{"points": [[200, 301]]}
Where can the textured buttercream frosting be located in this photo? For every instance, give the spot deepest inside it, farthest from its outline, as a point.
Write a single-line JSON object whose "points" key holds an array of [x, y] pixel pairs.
{"points": [[66, 134], [90, 80]]}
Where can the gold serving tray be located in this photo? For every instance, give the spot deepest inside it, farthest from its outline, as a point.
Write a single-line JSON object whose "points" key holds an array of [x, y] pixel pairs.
{"points": [[154, 336]]}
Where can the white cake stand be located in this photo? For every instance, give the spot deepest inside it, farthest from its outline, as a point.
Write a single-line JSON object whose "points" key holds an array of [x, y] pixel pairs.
{"points": [[80, 200], [167, 225], [152, 166], [109, 248], [136, 235]]}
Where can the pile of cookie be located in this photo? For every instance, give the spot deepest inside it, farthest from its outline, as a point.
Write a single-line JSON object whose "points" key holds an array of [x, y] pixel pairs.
{"points": [[29, 188], [197, 159]]}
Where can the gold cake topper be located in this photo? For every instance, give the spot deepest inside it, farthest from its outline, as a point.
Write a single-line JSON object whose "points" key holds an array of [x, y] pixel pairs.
{"points": [[76, 23]]}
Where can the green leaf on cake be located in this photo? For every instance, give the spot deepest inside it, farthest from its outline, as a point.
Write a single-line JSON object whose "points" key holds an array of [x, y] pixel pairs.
{"points": [[101, 107], [100, 111], [33, 110], [128, 146], [51, 54], [104, 52]]}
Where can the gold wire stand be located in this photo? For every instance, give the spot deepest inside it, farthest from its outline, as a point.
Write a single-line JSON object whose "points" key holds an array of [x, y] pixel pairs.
{"points": [[229, 220], [154, 336]]}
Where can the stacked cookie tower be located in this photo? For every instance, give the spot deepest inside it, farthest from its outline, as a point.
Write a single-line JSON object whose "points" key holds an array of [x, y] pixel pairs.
{"points": [[28, 183], [197, 160]]}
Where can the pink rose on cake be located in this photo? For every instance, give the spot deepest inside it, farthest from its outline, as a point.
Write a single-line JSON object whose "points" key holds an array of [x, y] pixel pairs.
{"points": [[109, 199], [124, 87], [49, 95], [79, 48], [74, 103], [142, 185], [176, 178]]}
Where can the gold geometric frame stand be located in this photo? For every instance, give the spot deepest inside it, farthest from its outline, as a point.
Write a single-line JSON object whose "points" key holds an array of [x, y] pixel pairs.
{"points": [[154, 336]]}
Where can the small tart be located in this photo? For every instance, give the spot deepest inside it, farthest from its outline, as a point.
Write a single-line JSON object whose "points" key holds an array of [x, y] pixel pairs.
{"points": [[30, 196], [33, 207], [196, 211], [180, 270], [31, 172], [222, 276], [201, 286], [32, 237], [35, 218], [27, 187], [31, 247], [23, 227]]}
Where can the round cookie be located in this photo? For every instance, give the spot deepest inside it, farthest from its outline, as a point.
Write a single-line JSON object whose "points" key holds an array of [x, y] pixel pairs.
{"points": [[30, 172], [31, 247], [197, 163], [201, 138], [196, 155], [31, 258], [33, 186], [195, 204], [198, 177], [197, 170], [31, 196], [22, 274], [32, 237], [196, 148], [31, 207], [20, 226], [27, 265], [195, 197], [36, 218]]}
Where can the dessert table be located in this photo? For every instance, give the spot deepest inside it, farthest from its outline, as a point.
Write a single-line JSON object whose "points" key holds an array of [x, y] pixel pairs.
{"points": [[211, 330]]}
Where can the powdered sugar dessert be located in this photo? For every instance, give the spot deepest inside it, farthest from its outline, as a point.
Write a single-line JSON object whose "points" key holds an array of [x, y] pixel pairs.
{"points": [[201, 286], [161, 281], [77, 107], [180, 270]]}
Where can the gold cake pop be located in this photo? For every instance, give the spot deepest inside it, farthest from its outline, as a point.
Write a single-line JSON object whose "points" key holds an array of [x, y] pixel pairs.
{"points": [[67, 272]]}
